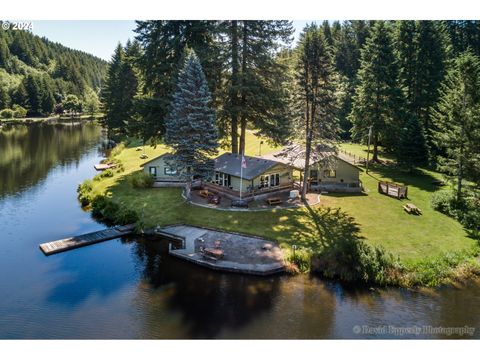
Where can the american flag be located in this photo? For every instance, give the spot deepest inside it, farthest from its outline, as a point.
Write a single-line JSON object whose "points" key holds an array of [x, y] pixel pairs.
{"points": [[244, 162]]}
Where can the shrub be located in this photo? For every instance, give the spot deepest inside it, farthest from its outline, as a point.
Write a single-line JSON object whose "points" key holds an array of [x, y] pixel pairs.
{"points": [[126, 216], [6, 114], [300, 259], [141, 180], [104, 174], [84, 192], [19, 111], [111, 213], [444, 202], [356, 261]]}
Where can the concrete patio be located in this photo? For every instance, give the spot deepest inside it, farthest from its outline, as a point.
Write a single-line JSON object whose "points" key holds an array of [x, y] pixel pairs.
{"points": [[242, 254]]}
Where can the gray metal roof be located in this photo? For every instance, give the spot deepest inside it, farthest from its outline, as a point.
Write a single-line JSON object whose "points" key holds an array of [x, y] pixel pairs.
{"points": [[230, 164]]}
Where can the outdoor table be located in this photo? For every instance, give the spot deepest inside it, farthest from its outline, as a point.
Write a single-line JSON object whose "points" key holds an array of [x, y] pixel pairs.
{"points": [[216, 253]]}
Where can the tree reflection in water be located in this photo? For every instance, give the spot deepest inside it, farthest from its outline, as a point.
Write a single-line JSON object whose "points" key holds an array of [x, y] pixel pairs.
{"points": [[208, 301]]}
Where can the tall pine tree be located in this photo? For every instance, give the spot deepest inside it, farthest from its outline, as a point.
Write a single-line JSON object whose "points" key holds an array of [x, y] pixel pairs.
{"points": [[378, 101], [316, 92], [163, 44], [457, 122], [191, 126]]}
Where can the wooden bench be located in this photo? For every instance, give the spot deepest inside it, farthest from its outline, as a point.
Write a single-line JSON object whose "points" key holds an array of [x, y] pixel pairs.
{"points": [[274, 201], [412, 209]]}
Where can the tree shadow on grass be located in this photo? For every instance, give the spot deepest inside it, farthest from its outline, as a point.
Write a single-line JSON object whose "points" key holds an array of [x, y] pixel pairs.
{"points": [[322, 227], [338, 249]]}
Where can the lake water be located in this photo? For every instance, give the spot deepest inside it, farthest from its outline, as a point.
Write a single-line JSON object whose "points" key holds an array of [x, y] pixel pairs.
{"points": [[131, 288]]}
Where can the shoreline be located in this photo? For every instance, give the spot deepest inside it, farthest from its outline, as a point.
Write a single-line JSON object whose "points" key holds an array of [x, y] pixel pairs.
{"points": [[49, 120], [444, 268]]}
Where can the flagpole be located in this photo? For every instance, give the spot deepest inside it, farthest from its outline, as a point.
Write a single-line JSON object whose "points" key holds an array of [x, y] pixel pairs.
{"points": [[241, 175]]}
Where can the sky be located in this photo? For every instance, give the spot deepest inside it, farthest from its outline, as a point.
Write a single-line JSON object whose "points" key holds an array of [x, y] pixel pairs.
{"points": [[98, 37]]}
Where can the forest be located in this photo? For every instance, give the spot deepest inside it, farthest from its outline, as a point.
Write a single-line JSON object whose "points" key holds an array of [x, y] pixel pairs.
{"points": [[39, 77]]}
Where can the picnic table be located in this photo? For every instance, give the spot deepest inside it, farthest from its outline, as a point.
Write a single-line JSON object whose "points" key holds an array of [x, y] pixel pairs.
{"points": [[412, 209], [274, 201], [214, 254]]}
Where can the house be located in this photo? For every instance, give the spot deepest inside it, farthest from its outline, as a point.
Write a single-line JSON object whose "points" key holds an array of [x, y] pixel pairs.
{"points": [[328, 170], [260, 176], [162, 170]]}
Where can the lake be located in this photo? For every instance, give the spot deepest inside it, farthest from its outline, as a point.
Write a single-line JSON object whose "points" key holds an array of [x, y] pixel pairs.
{"points": [[131, 289]]}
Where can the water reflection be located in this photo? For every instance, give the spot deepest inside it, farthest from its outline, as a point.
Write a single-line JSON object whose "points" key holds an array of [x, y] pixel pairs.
{"points": [[28, 152], [208, 302]]}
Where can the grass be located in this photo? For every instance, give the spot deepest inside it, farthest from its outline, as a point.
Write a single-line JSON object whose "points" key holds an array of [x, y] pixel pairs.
{"points": [[383, 221], [432, 238]]}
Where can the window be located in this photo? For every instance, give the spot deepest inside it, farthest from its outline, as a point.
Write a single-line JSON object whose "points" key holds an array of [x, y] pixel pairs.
{"points": [[330, 173], [314, 174], [269, 180], [153, 171], [222, 179], [168, 170]]}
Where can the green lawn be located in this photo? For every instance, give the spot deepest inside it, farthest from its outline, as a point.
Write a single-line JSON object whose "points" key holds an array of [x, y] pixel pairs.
{"points": [[381, 219]]}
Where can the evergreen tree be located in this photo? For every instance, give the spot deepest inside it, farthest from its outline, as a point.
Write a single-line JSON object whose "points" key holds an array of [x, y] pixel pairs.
{"points": [[378, 100], [190, 129], [411, 150], [34, 95], [348, 38], [431, 70], [457, 121], [263, 99], [316, 91], [163, 44], [112, 93], [4, 53], [406, 45], [121, 88]]}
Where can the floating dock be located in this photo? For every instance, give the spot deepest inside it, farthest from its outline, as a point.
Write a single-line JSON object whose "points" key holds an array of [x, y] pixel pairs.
{"points": [[75, 242]]}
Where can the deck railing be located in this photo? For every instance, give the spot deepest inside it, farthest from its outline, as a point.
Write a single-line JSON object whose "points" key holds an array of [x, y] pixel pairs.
{"points": [[235, 193]]}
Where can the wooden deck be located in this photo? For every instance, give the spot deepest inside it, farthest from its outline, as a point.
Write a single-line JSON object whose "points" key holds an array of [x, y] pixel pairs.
{"points": [[75, 242]]}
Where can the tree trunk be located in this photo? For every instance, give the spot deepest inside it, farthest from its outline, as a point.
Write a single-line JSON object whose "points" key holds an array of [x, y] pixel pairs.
{"points": [[234, 87], [308, 145], [460, 167], [375, 148], [243, 100], [188, 188], [308, 149], [243, 130]]}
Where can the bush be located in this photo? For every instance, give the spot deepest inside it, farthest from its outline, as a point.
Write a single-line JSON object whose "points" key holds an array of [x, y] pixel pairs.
{"points": [[141, 180], [356, 261], [6, 114], [444, 202], [84, 192], [126, 216], [104, 174], [19, 111], [465, 211], [111, 213], [301, 259]]}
